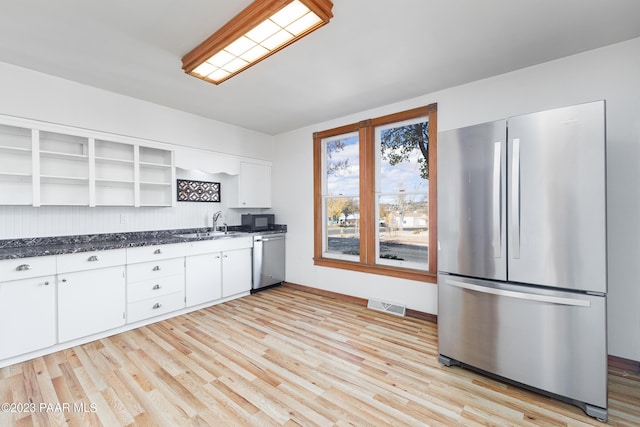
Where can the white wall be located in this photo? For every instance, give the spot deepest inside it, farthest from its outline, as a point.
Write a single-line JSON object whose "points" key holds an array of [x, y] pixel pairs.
{"points": [[39, 96], [611, 73], [33, 95]]}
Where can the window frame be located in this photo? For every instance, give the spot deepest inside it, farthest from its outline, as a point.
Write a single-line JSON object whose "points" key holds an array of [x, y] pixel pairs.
{"points": [[368, 223]]}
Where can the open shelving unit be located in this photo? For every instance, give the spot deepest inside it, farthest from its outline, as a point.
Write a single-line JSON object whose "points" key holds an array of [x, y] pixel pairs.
{"points": [[156, 176], [114, 165], [16, 165], [63, 169], [46, 164]]}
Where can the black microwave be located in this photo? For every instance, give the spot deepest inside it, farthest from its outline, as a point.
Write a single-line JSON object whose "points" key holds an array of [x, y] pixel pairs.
{"points": [[257, 222]]}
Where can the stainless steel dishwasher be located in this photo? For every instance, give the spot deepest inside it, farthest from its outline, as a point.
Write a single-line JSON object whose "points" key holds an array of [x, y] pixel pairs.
{"points": [[268, 261]]}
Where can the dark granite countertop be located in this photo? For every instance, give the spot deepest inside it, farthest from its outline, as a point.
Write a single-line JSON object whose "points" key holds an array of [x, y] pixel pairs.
{"points": [[42, 246]]}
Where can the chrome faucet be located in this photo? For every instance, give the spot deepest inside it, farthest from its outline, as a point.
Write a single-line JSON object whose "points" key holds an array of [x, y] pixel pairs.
{"points": [[226, 230], [216, 216]]}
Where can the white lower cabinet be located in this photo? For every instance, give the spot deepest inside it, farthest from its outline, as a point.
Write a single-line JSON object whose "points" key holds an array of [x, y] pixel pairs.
{"points": [[203, 278], [236, 272], [91, 293], [27, 315], [50, 300], [90, 301], [217, 269]]}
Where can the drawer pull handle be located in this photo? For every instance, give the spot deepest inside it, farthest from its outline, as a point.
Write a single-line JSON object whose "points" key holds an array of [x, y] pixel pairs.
{"points": [[157, 306], [156, 287], [156, 268], [23, 267], [46, 283], [157, 252], [93, 258]]}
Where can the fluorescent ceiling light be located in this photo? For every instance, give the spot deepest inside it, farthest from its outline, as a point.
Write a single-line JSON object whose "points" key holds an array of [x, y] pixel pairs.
{"points": [[262, 29]]}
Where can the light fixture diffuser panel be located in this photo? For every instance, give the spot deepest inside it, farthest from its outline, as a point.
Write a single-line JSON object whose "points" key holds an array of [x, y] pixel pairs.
{"points": [[263, 31], [263, 28], [289, 14], [277, 40], [303, 24]]}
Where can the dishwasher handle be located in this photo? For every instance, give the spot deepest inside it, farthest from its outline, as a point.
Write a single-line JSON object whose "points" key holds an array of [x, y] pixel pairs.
{"points": [[268, 239]]}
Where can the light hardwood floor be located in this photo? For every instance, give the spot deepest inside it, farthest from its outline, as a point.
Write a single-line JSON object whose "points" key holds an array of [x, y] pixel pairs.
{"points": [[280, 357]]}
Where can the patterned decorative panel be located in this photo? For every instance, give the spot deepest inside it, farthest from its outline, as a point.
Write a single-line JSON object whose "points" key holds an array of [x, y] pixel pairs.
{"points": [[198, 191]]}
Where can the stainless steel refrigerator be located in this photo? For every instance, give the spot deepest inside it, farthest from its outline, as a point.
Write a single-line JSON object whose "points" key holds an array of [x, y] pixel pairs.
{"points": [[522, 252]]}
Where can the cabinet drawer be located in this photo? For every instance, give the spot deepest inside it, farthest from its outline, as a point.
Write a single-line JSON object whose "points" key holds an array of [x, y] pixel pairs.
{"points": [[90, 260], [218, 245], [154, 269], [24, 268], [152, 288], [155, 252], [154, 306]]}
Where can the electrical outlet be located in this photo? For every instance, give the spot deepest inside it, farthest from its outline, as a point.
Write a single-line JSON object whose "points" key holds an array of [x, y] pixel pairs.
{"points": [[124, 219]]}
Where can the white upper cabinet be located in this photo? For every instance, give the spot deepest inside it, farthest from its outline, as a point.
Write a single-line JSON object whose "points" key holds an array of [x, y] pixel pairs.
{"points": [[252, 188], [206, 161], [44, 164]]}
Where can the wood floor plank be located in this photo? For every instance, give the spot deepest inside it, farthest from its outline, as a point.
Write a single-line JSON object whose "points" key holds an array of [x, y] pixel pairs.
{"points": [[283, 357]]}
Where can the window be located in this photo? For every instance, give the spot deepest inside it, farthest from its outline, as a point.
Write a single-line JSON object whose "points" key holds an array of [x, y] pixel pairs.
{"points": [[375, 195], [341, 197]]}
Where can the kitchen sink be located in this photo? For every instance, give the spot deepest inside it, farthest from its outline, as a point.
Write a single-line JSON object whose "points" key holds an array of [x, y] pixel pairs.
{"points": [[208, 234]]}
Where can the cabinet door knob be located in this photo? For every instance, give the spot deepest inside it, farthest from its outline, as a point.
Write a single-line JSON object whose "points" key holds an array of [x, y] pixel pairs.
{"points": [[157, 306], [93, 258], [157, 251], [46, 283], [156, 287], [64, 280], [156, 268], [23, 267]]}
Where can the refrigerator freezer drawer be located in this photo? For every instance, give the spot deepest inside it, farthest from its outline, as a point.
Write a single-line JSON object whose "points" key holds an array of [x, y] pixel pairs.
{"points": [[553, 341]]}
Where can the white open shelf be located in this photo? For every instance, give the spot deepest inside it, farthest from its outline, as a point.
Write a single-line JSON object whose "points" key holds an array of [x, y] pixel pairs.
{"points": [[47, 164]]}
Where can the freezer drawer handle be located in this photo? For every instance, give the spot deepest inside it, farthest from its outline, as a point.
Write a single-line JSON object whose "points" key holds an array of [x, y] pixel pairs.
{"points": [[520, 295]]}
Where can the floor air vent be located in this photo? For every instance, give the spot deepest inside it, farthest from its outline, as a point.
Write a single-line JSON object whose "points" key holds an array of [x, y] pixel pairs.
{"points": [[387, 307]]}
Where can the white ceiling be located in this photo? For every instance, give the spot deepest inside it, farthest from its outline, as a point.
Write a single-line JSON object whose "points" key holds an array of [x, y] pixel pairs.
{"points": [[372, 53]]}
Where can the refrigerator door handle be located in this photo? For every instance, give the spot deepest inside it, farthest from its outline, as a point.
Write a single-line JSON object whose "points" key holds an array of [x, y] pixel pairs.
{"points": [[520, 295], [515, 199], [497, 211]]}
